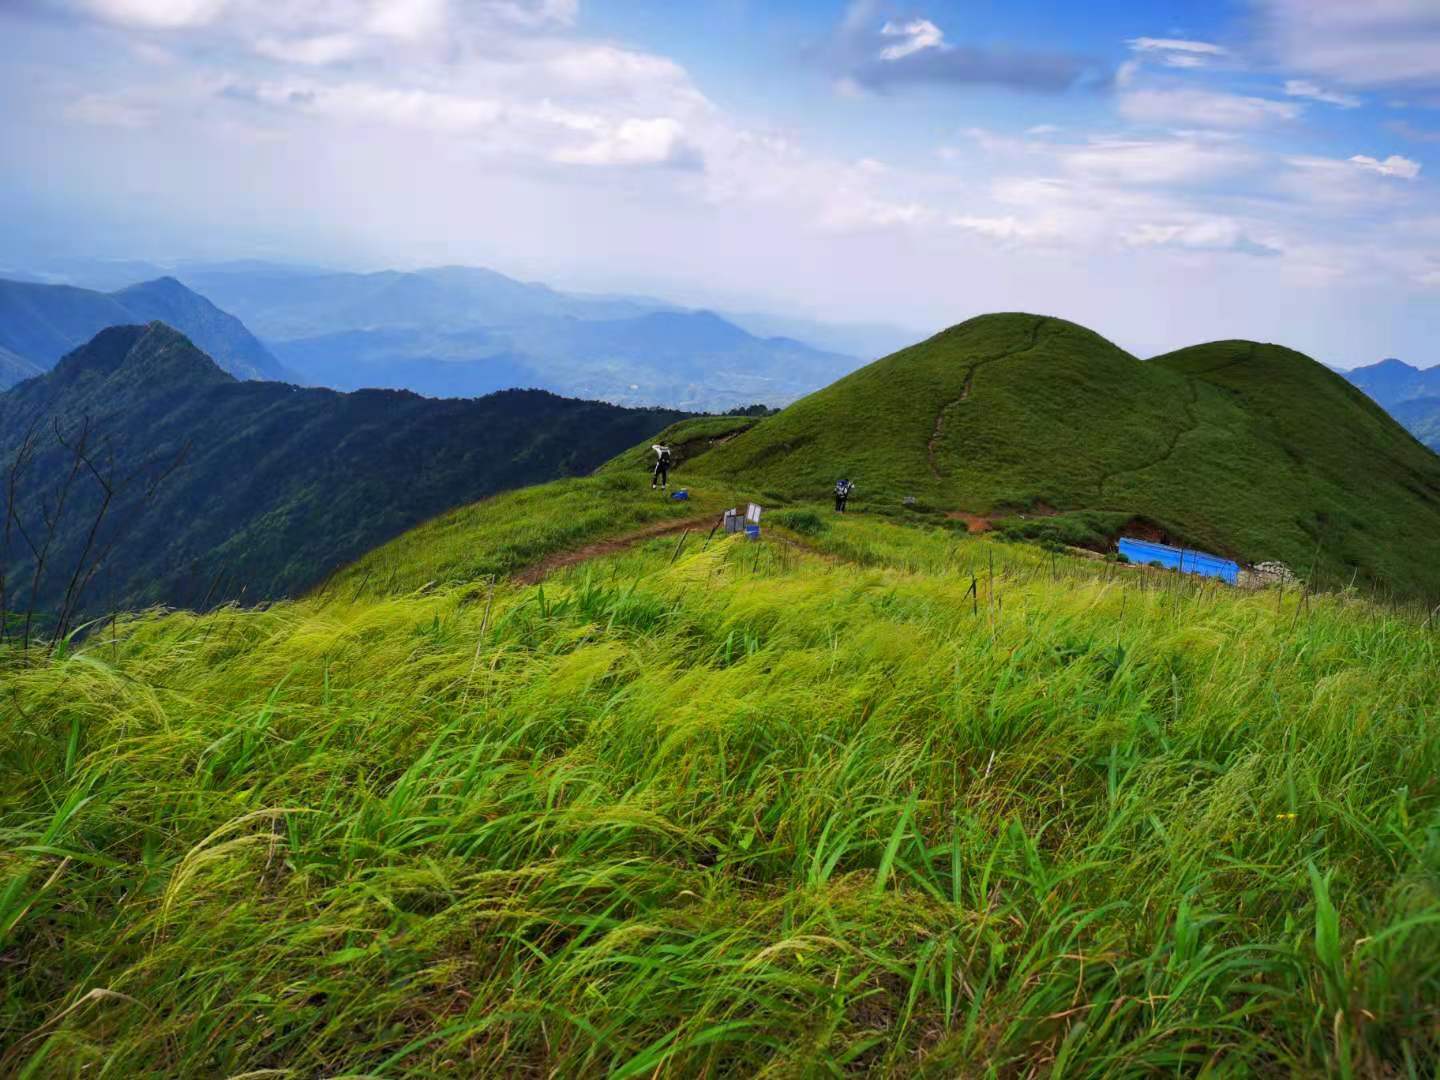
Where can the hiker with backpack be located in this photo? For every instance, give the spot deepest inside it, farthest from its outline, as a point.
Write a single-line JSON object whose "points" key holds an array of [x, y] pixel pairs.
{"points": [[843, 490], [661, 473]]}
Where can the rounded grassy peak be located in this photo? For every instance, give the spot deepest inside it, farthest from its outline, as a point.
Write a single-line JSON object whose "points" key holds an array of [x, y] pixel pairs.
{"points": [[976, 416], [1248, 449]]}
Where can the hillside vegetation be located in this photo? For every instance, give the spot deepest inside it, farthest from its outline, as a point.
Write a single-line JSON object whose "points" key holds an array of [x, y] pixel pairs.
{"points": [[41, 323], [890, 801], [272, 487], [1251, 450]]}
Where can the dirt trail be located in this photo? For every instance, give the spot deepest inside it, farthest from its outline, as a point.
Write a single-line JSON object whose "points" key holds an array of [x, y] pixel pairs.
{"points": [[1180, 432], [530, 575], [965, 391]]}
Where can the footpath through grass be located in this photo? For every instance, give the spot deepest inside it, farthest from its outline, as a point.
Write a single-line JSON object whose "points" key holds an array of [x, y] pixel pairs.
{"points": [[749, 810], [515, 530]]}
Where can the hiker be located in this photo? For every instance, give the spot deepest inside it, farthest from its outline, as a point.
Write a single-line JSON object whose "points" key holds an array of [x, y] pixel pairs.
{"points": [[843, 490], [661, 473]]}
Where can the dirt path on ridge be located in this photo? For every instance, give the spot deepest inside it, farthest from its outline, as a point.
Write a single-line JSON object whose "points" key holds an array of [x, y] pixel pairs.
{"points": [[934, 443], [531, 575]]}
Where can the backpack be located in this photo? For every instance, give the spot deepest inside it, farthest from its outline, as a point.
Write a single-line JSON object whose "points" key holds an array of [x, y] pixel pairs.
{"points": [[665, 458], [842, 487]]}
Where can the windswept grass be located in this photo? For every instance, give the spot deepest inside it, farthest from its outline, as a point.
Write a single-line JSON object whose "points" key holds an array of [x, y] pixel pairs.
{"points": [[913, 805], [517, 529]]}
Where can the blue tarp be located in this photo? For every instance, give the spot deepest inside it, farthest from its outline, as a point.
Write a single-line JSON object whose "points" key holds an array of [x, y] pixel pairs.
{"points": [[1172, 558]]}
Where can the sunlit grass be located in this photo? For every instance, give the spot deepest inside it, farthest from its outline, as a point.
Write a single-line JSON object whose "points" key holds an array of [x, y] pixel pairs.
{"points": [[878, 800]]}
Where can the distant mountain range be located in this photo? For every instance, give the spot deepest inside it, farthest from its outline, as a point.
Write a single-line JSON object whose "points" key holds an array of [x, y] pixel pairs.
{"points": [[276, 485], [41, 323], [1408, 393], [1421, 417], [458, 331]]}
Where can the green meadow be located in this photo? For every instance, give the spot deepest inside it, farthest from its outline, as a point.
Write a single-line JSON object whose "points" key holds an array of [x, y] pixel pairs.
{"points": [[867, 798]]}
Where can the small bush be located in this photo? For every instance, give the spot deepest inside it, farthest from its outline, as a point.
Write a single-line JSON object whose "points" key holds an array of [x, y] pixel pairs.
{"points": [[805, 522]]}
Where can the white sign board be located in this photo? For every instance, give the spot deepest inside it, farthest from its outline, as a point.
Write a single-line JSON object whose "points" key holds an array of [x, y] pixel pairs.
{"points": [[752, 514]]}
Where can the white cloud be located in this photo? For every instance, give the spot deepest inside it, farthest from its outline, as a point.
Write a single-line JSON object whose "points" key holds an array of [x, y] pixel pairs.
{"points": [[1357, 42], [595, 152], [312, 51], [614, 70], [286, 25], [1179, 53], [1361, 187], [656, 141], [155, 14], [1007, 228], [1148, 44], [1204, 109], [914, 37], [866, 53], [409, 20], [104, 111], [851, 210], [1172, 161], [1394, 165], [1199, 234], [1304, 88]]}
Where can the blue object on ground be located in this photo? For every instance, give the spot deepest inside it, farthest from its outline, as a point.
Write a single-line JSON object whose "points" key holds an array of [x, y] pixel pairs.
{"points": [[1186, 561], [752, 532], [681, 495]]}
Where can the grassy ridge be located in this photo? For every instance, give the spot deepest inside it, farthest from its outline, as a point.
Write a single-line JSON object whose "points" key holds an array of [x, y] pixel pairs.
{"points": [[1250, 450], [687, 439], [910, 804], [1364, 493], [515, 530]]}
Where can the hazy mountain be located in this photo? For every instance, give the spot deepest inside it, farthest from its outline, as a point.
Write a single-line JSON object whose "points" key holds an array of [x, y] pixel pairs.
{"points": [[1408, 393], [281, 303], [458, 331], [460, 364], [866, 340], [14, 368], [41, 323], [277, 484], [1392, 381], [1421, 417], [691, 360]]}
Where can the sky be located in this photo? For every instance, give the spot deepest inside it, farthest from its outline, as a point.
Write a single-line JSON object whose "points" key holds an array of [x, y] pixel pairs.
{"points": [[1165, 172]]}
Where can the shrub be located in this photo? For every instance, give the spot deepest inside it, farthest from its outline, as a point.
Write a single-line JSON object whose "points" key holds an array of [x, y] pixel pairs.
{"points": [[805, 522]]}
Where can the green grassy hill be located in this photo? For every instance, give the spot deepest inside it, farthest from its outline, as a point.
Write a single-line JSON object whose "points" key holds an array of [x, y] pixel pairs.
{"points": [[276, 486], [551, 785], [885, 800], [1251, 450]]}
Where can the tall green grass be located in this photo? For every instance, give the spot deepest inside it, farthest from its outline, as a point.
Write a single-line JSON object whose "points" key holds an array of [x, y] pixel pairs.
{"points": [[882, 801], [517, 529]]}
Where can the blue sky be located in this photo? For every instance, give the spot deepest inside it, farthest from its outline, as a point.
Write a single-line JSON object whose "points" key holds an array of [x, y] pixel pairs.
{"points": [[1164, 172]]}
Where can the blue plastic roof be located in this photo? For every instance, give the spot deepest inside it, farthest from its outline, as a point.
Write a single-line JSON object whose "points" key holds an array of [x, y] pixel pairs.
{"points": [[1186, 560]]}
